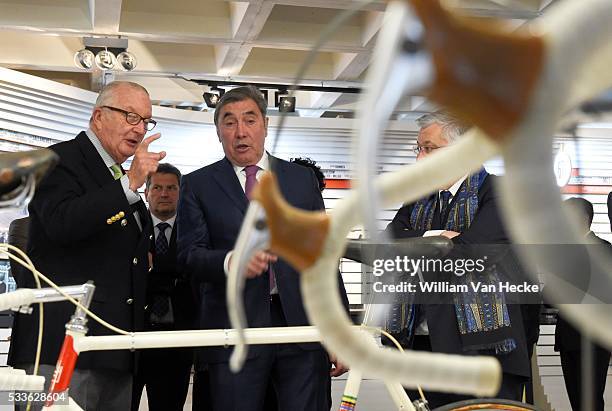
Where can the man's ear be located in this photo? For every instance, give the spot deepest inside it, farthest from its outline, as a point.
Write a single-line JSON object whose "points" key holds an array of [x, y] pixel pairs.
{"points": [[266, 126], [219, 135], [96, 115]]}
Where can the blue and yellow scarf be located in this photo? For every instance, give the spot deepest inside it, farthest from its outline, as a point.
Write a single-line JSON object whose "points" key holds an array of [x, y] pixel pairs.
{"points": [[482, 318]]}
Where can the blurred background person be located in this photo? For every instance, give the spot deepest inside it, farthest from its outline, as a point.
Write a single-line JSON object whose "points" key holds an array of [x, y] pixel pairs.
{"points": [[165, 372], [568, 341], [311, 164]]}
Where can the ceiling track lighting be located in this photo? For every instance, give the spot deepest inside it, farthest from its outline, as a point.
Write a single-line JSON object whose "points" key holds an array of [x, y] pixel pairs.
{"points": [[106, 54], [212, 97], [284, 102]]}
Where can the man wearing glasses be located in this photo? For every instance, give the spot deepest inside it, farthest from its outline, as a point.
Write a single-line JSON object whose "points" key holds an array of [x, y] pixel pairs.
{"points": [[466, 212], [89, 223]]}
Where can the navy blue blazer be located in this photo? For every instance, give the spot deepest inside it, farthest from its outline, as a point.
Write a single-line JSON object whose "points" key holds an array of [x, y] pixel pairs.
{"points": [[71, 241], [211, 208]]}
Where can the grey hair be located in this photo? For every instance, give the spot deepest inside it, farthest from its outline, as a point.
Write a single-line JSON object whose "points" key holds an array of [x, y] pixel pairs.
{"points": [[452, 128], [107, 94], [240, 94]]}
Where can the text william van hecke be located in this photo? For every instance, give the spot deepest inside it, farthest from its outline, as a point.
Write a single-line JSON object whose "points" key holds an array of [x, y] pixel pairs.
{"points": [[448, 287]]}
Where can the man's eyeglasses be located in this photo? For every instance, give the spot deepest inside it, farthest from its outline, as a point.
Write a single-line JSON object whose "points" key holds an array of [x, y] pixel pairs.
{"points": [[134, 118], [418, 149]]}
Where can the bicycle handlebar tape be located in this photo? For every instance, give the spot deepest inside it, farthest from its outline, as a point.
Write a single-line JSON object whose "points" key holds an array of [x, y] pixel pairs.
{"points": [[16, 299], [17, 380]]}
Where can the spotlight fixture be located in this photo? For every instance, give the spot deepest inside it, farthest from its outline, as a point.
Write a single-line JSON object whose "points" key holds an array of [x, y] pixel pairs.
{"points": [[106, 53], [127, 61], [213, 96], [264, 93], [105, 60], [286, 104], [84, 59]]}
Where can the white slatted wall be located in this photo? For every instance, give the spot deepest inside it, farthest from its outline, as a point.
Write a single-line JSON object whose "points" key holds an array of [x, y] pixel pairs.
{"points": [[54, 112]]}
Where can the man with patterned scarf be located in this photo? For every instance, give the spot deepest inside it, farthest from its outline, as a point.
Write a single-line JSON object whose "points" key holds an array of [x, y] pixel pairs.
{"points": [[467, 323]]}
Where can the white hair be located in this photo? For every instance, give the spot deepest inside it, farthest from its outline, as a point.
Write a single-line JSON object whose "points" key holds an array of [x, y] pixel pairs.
{"points": [[452, 128], [108, 92]]}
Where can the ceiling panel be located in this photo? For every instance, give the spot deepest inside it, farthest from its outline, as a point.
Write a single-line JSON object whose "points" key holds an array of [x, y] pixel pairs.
{"points": [[46, 14], [285, 63], [192, 17], [305, 24], [213, 40], [173, 58]]}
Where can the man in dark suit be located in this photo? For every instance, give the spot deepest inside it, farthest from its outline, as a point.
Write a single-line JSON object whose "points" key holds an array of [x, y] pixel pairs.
{"points": [[18, 236], [568, 341], [213, 202], [610, 208], [87, 222], [466, 212], [165, 372]]}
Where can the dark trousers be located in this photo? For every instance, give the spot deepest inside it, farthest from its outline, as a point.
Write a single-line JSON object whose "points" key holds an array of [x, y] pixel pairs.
{"points": [[92, 390], [201, 398], [571, 363], [165, 372], [511, 387], [300, 378]]}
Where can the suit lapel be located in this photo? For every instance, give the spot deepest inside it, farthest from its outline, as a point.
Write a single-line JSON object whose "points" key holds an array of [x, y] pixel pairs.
{"points": [[228, 181], [92, 160], [172, 244], [146, 222], [101, 174]]}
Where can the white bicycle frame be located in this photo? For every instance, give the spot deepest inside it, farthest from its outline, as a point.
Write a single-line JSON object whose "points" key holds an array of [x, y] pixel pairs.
{"points": [[522, 134], [572, 43], [77, 342]]}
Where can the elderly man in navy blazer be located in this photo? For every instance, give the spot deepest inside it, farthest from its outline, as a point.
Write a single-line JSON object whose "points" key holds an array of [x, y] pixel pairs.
{"points": [[212, 205], [88, 222]]}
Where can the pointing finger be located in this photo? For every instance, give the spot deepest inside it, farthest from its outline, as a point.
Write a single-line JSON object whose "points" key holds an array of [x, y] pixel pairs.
{"points": [[144, 145]]}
